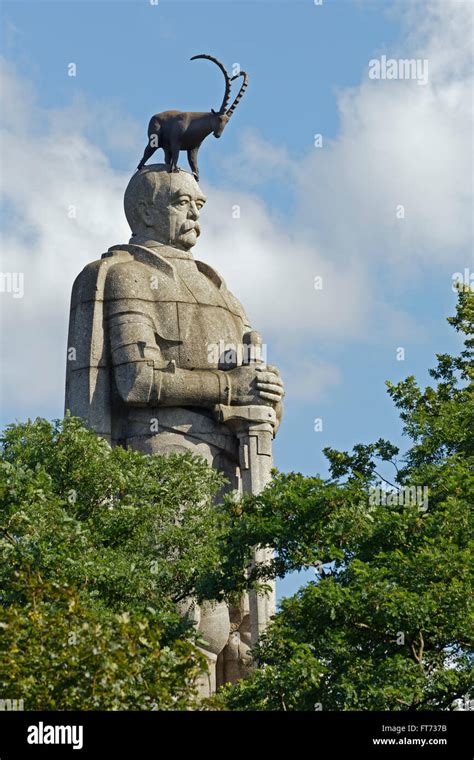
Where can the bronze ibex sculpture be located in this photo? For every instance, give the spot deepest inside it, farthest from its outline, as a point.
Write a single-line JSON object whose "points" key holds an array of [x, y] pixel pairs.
{"points": [[185, 130]]}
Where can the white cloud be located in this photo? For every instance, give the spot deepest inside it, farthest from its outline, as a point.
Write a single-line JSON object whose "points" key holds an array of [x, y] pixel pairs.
{"points": [[398, 143], [46, 173], [273, 271]]}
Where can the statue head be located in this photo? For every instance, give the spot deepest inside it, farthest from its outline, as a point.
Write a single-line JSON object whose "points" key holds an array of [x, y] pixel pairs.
{"points": [[164, 206]]}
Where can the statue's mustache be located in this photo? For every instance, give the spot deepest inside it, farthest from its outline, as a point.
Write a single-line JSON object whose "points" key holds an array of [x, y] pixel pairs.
{"points": [[189, 225]]}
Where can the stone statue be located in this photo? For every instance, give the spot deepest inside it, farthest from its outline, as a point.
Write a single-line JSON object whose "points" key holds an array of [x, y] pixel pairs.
{"points": [[150, 368], [183, 130]]}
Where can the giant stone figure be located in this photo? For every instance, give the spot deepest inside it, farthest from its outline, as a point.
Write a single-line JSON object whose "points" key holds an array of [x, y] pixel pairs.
{"points": [[144, 372]]}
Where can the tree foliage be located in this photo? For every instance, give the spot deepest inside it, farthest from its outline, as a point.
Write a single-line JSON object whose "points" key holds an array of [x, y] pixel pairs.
{"points": [[97, 547]]}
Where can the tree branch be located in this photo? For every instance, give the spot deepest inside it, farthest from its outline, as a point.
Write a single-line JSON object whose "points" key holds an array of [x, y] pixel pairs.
{"points": [[8, 536], [386, 481]]}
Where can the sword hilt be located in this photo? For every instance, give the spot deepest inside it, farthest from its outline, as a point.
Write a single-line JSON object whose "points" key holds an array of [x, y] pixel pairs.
{"points": [[253, 339]]}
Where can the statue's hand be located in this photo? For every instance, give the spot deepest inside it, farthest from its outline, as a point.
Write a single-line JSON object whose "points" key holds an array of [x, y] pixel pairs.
{"points": [[279, 415], [256, 384], [278, 406]]}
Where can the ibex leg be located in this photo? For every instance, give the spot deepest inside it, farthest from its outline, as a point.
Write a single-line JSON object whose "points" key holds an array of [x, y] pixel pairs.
{"points": [[174, 158], [146, 155], [192, 159]]}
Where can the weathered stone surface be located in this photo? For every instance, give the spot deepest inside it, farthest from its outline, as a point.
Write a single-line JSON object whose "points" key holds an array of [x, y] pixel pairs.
{"points": [[149, 367]]}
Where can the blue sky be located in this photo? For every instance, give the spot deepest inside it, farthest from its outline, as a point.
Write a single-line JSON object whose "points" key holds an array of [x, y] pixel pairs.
{"points": [[306, 211]]}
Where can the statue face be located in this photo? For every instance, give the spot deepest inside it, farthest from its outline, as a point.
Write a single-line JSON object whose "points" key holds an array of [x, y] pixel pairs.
{"points": [[171, 214], [186, 201]]}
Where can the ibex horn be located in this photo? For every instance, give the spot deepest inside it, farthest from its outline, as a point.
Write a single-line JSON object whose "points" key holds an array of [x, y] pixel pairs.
{"points": [[227, 78], [240, 92]]}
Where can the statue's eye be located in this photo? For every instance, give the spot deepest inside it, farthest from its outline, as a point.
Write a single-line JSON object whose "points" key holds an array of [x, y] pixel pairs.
{"points": [[183, 202]]}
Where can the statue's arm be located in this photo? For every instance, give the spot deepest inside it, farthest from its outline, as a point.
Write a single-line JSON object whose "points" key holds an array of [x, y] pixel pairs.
{"points": [[144, 378]]}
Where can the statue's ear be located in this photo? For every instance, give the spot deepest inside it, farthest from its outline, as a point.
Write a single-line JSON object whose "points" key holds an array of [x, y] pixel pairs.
{"points": [[144, 212]]}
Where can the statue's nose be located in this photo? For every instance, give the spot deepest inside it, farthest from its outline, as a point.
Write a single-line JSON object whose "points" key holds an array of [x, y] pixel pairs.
{"points": [[193, 211]]}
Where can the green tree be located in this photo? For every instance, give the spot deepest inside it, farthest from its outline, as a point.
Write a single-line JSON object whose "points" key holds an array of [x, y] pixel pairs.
{"points": [[387, 624], [97, 547]]}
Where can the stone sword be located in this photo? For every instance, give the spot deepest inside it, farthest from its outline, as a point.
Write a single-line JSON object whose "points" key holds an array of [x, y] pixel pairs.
{"points": [[253, 426]]}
